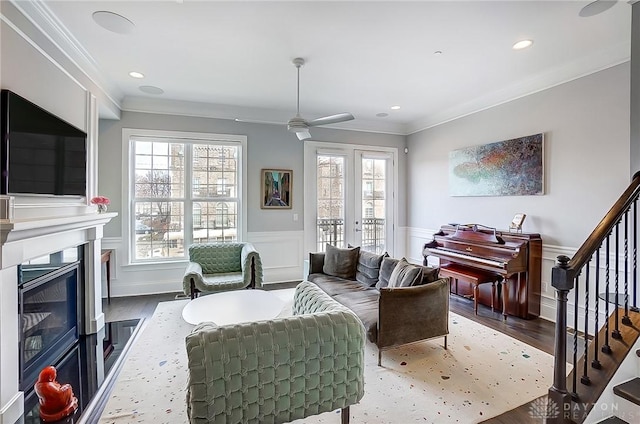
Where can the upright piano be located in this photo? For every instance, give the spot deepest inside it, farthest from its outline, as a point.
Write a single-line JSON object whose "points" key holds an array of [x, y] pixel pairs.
{"points": [[515, 259]]}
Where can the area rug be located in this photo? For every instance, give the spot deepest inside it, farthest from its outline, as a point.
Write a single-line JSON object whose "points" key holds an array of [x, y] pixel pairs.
{"points": [[482, 374]]}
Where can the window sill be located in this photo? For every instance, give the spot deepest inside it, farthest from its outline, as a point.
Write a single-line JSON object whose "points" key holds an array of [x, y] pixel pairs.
{"points": [[154, 265]]}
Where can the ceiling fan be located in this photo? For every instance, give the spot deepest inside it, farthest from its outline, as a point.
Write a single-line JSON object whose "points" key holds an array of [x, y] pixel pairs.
{"points": [[299, 125]]}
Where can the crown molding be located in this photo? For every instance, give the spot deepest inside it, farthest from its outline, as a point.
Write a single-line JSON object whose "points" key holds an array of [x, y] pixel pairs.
{"points": [[600, 61], [245, 114], [45, 21]]}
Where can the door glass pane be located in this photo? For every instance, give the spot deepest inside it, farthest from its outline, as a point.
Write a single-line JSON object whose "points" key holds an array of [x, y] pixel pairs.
{"points": [[331, 202], [374, 205]]}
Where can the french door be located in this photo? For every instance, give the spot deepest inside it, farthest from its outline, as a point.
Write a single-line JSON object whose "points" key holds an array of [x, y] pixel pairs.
{"points": [[349, 197]]}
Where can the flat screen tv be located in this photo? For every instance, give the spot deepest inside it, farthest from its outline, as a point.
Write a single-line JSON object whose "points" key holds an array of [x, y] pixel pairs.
{"points": [[41, 154]]}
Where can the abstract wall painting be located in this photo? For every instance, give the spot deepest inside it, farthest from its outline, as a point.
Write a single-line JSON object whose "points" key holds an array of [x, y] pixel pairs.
{"points": [[506, 168]]}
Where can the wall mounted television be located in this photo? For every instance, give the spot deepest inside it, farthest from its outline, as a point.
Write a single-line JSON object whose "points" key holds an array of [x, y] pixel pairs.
{"points": [[41, 154]]}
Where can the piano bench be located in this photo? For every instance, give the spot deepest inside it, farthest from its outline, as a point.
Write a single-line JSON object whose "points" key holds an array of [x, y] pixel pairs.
{"points": [[475, 277]]}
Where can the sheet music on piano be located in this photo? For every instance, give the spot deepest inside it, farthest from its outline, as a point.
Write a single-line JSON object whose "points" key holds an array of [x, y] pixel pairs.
{"points": [[516, 257]]}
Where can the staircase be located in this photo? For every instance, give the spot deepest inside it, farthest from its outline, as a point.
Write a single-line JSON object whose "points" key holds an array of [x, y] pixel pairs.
{"points": [[624, 399], [601, 280], [629, 390]]}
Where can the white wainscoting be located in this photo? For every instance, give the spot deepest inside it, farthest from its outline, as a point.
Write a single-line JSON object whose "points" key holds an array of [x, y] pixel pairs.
{"points": [[281, 253], [415, 239], [283, 259]]}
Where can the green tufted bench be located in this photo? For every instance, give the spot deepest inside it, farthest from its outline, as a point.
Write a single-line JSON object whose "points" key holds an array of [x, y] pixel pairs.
{"points": [[279, 370], [216, 267]]}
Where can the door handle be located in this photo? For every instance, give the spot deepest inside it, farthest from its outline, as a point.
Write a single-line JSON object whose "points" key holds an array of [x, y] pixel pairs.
{"points": [[357, 230]]}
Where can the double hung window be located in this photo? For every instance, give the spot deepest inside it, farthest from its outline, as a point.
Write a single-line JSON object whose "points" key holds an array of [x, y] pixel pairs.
{"points": [[183, 190]]}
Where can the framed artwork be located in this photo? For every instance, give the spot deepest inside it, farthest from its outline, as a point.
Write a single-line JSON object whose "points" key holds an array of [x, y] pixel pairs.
{"points": [[506, 168], [516, 224], [276, 189]]}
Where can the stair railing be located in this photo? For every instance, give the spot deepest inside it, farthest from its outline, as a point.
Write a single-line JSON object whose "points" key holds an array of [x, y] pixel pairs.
{"points": [[564, 406]]}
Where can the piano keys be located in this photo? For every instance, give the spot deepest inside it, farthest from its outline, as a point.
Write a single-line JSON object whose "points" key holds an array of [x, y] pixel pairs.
{"points": [[514, 257]]}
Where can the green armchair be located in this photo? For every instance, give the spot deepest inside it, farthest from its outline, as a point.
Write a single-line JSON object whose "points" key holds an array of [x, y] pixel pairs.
{"points": [[279, 370], [216, 267]]}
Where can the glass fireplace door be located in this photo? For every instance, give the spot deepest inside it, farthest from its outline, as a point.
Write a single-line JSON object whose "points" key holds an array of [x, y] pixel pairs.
{"points": [[48, 307]]}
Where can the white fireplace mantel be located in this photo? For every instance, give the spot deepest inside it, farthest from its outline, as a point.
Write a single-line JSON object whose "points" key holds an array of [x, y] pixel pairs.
{"points": [[27, 239], [43, 230]]}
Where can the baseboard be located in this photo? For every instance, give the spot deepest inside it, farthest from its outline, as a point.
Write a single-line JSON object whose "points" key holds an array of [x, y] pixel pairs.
{"points": [[281, 285], [146, 288], [13, 411]]}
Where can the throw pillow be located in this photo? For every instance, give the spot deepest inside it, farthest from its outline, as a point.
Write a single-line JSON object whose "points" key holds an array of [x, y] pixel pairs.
{"points": [[368, 269], [429, 275], [386, 268], [340, 262], [316, 262], [405, 274]]}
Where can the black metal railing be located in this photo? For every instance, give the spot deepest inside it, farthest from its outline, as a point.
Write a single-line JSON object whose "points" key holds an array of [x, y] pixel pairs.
{"points": [[374, 235], [575, 275], [331, 231]]}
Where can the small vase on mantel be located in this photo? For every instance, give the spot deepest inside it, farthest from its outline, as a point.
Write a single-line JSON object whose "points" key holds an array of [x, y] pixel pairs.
{"points": [[101, 202]]}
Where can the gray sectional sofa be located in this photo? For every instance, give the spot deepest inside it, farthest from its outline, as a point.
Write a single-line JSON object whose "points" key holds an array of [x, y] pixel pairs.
{"points": [[414, 307]]}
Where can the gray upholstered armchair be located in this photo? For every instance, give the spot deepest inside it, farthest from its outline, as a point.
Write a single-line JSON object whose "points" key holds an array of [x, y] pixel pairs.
{"points": [[279, 370], [215, 267]]}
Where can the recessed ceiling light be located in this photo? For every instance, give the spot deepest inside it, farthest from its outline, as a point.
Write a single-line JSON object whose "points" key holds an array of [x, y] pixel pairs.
{"points": [[150, 89], [134, 74], [522, 44], [113, 22], [382, 114], [596, 7], [395, 107]]}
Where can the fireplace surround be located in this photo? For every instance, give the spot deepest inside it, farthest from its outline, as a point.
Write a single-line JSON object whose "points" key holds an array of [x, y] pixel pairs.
{"points": [[22, 240], [50, 309]]}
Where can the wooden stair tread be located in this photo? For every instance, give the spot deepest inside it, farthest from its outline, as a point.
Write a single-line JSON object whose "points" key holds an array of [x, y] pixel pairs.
{"points": [[629, 390]]}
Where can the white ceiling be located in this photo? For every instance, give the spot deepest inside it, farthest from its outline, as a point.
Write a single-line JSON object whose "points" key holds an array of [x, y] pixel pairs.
{"points": [[233, 59]]}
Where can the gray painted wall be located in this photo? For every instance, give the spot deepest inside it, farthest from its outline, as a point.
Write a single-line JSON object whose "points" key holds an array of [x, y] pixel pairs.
{"points": [[586, 128], [268, 146]]}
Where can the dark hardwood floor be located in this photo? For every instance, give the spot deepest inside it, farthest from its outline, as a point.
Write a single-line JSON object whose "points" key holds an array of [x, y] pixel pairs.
{"points": [[538, 333], [130, 307]]}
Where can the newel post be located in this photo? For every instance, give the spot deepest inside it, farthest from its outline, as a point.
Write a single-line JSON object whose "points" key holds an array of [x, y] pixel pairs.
{"points": [[562, 279]]}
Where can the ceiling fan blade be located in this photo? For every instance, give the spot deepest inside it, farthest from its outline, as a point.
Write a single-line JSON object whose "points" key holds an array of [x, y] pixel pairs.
{"points": [[332, 119], [256, 121], [303, 135]]}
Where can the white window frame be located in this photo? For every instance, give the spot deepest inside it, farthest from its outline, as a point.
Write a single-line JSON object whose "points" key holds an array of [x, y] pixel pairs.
{"points": [[128, 186]]}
